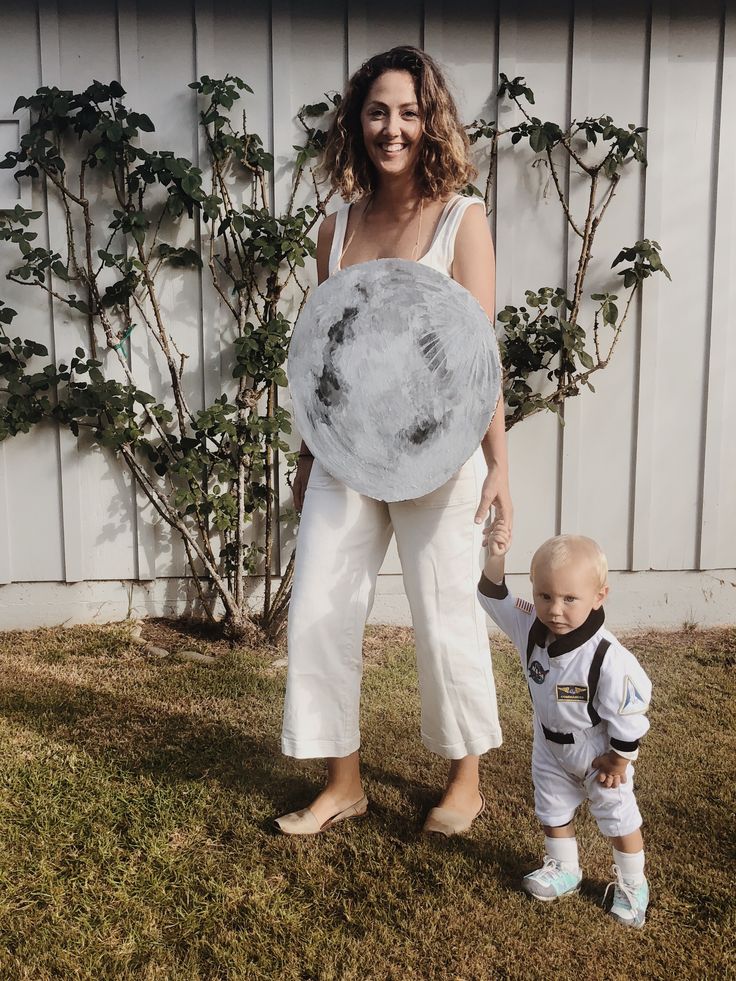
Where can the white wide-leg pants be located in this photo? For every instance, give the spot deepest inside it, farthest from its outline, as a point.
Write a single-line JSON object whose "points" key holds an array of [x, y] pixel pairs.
{"points": [[343, 538]]}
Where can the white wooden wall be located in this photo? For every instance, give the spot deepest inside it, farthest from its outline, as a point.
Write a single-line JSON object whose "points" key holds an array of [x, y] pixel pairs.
{"points": [[647, 465]]}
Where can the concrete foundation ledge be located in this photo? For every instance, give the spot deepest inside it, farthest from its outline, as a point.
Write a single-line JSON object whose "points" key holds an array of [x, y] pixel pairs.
{"points": [[637, 600]]}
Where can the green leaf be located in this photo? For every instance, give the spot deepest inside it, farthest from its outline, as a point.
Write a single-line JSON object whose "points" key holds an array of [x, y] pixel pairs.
{"points": [[585, 359], [538, 140], [610, 312]]}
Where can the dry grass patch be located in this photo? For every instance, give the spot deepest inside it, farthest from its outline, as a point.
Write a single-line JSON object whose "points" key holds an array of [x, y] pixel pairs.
{"points": [[137, 794]]}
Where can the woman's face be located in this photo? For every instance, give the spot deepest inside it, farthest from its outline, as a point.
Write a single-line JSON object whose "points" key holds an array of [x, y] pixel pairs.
{"points": [[392, 124]]}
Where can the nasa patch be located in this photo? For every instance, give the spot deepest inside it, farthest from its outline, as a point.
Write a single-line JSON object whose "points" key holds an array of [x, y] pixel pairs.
{"points": [[537, 672], [632, 703]]}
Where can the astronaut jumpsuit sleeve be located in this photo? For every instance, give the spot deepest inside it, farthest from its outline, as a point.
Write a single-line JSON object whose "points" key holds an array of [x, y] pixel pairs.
{"points": [[623, 696], [514, 616]]}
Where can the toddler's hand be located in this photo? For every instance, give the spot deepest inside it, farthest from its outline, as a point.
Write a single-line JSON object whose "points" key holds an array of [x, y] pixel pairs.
{"points": [[497, 536], [612, 769]]}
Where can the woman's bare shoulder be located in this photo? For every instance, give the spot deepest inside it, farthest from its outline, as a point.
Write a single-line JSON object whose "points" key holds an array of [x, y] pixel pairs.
{"points": [[474, 228]]}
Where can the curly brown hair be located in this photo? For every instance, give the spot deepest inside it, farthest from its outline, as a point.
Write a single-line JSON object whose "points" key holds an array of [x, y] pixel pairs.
{"points": [[443, 165]]}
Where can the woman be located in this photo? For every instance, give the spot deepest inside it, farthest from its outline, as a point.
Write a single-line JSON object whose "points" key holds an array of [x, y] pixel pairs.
{"points": [[397, 149]]}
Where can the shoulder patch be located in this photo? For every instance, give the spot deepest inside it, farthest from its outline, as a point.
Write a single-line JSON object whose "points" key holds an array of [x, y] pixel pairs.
{"points": [[524, 605], [632, 703]]}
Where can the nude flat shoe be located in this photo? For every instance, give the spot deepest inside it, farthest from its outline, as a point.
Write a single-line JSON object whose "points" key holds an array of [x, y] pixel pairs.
{"points": [[445, 821], [305, 823]]}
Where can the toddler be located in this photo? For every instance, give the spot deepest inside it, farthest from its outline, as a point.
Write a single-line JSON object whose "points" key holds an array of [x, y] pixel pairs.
{"points": [[590, 696]]}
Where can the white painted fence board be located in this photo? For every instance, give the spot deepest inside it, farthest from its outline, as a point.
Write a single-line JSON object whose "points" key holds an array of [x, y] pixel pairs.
{"points": [[650, 330], [578, 190], [26, 464], [139, 353], [87, 42], [71, 482], [382, 24], [88, 49], [718, 522], [357, 36], [462, 37], [530, 251], [686, 228], [604, 443], [166, 51]]}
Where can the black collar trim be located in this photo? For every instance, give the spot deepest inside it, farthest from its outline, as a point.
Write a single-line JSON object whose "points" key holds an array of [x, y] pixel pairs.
{"points": [[568, 642]]}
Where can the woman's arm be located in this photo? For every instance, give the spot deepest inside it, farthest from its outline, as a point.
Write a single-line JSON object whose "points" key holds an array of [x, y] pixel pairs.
{"points": [[304, 463], [474, 268], [324, 243]]}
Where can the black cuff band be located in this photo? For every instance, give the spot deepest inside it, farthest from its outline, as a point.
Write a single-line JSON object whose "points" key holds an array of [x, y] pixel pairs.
{"points": [[494, 590], [624, 746]]}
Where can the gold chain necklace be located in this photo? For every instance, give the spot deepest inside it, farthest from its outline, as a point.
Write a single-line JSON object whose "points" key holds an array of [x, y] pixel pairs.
{"points": [[414, 251]]}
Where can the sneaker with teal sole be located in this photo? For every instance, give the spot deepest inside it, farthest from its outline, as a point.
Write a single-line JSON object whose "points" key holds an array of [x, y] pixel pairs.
{"points": [[551, 881], [630, 902]]}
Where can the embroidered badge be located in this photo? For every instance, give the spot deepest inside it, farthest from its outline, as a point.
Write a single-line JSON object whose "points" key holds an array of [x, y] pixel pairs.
{"points": [[525, 606], [537, 672], [572, 693], [633, 702]]}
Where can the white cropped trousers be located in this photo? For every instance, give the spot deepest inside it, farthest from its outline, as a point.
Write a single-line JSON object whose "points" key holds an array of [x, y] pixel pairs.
{"points": [[343, 538]]}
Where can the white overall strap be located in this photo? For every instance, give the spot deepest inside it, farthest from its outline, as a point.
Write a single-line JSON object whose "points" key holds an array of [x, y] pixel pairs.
{"points": [[338, 239]]}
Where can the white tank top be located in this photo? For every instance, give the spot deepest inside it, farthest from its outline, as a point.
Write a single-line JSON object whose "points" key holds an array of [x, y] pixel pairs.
{"points": [[441, 251]]}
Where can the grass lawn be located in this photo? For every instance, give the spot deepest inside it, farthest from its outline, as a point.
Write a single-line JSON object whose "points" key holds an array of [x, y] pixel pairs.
{"points": [[137, 795]]}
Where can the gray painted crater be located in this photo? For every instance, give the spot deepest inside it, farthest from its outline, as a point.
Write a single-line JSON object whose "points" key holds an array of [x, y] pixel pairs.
{"points": [[394, 375]]}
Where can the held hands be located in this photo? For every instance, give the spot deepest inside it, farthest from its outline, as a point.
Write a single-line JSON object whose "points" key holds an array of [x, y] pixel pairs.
{"points": [[497, 537], [495, 493], [612, 769]]}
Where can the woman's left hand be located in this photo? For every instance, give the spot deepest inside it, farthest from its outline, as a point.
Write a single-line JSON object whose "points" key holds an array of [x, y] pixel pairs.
{"points": [[495, 493]]}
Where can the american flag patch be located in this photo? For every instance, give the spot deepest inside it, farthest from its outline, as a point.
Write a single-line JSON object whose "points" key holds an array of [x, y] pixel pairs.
{"points": [[525, 606]]}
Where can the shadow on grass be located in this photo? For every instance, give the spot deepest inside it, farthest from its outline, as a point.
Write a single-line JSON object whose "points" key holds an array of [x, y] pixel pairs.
{"points": [[158, 741], [479, 844], [171, 745]]}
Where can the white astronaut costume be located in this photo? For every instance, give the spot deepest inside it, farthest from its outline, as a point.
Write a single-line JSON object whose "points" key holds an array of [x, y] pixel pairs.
{"points": [[590, 694]]}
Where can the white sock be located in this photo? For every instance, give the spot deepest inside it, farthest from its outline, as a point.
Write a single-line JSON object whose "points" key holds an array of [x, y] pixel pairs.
{"points": [[564, 851], [631, 865]]}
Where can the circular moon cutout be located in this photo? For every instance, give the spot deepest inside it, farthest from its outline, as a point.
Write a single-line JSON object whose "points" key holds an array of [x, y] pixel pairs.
{"points": [[394, 376]]}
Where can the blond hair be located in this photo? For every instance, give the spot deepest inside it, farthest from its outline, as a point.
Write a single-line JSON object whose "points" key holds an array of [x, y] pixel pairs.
{"points": [[444, 155], [565, 549]]}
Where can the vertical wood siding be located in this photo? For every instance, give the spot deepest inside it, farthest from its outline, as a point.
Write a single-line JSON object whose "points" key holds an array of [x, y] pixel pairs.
{"points": [[647, 464]]}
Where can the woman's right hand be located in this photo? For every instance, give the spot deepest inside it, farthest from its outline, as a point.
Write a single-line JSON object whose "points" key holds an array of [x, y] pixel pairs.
{"points": [[299, 489]]}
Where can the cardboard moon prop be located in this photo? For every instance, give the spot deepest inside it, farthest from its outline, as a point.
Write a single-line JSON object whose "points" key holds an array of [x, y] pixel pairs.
{"points": [[394, 376]]}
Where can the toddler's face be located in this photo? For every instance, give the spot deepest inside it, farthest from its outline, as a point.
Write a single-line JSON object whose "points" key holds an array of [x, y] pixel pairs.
{"points": [[565, 595]]}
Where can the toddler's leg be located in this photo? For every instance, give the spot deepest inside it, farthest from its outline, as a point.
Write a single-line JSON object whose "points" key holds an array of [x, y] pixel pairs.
{"points": [[556, 797], [630, 888], [618, 817], [560, 875]]}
